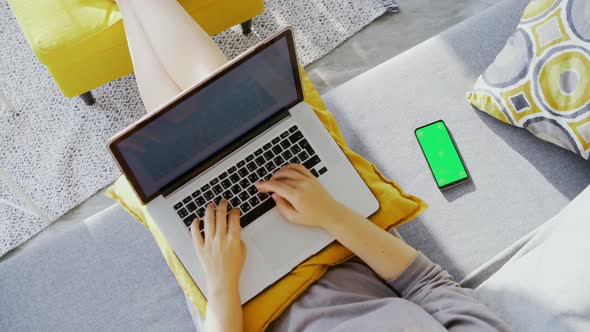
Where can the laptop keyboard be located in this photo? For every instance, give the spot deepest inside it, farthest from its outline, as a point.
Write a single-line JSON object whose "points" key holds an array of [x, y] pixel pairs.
{"points": [[236, 183]]}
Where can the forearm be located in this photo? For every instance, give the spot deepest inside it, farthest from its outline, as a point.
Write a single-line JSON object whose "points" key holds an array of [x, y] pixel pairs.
{"points": [[224, 310], [387, 255]]}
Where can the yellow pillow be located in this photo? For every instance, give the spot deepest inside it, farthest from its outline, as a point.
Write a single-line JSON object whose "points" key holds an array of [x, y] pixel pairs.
{"points": [[396, 208], [540, 80]]}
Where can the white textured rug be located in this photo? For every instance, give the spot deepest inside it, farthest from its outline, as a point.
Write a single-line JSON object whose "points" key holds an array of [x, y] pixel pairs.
{"points": [[54, 148]]}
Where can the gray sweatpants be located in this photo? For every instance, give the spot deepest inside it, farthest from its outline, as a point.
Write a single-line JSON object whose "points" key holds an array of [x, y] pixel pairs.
{"points": [[351, 297]]}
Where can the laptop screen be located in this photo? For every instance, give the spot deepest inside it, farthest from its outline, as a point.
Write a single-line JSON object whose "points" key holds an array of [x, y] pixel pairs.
{"points": [[200, 124]]}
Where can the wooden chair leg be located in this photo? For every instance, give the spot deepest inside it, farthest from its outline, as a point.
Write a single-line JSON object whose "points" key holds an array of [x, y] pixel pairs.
{"points": [[88, 98], [247, 27]]}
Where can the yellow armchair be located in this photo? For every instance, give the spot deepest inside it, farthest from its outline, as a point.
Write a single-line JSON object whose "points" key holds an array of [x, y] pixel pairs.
{"points": [[82, 42]]}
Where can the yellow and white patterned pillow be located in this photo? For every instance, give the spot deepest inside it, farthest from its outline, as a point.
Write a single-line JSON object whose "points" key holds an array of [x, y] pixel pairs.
{"points": [[540, 81]]}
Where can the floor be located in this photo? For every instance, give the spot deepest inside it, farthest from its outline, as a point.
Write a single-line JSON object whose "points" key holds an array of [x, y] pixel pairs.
{"points": [[389, 35]]}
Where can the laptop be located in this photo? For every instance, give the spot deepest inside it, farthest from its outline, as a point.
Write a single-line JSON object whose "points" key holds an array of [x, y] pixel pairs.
{"points": [[216, 140]]}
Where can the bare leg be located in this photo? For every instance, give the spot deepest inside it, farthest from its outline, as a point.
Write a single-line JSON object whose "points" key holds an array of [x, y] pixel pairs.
{"points": [[182, 47], [156, 87]]}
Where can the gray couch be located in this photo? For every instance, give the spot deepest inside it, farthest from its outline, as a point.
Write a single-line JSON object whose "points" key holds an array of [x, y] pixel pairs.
{"points": [[106, 273]]}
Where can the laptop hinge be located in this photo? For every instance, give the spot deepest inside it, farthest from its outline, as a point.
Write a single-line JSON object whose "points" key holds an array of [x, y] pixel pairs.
{"points": [[225, 152]]}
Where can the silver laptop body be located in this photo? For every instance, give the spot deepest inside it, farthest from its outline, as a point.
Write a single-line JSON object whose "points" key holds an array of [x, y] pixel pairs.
{"points": [[292, 134]]}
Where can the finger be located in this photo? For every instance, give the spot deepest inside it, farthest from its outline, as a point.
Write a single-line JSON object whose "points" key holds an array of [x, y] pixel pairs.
{"points": [[285, 208], [210, 222], [234, 228], [300, 169], [244, 249], [283, 189], [291, 183], [288, 173], [196, 234], [221, 219]]}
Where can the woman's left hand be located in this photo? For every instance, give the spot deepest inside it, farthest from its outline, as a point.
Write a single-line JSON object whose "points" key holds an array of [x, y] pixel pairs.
{"points": [[221, 251]]}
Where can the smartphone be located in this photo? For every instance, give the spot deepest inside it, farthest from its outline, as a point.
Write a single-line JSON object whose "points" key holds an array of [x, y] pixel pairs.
{"points": [[441, 154]]}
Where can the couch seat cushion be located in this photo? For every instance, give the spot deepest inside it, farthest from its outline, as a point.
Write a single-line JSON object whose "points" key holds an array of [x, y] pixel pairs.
{"points": [[518, 181], [102, 274]]}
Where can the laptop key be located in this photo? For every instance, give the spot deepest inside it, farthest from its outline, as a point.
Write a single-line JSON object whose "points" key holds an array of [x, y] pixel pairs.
{"points": [[201, 213], [232, 169], [295, 149], [200, 201], [250, 158], [243, 196], [236, 189], [296, 136], [235, 202], [295, 160], [241, 163], [260, 210], [252, 190], [196, 193], [267, 146], [178, 206], [182, 213], [189, 220], [277, 149], [292, 129], [261, 172], [267, 177], [285, 134], [205, 188], [262, 196], [227, 194], [244, 183], [305, 144], [253, 201], [208, 195], [285, 144], [226, 183], [258, 152], [268, 155], [287, 155], [222, 175], [191, 207], [260, 161], [279, 161], [254, 176], [276, 140], [214, 182], [187, 199], [245, 207], [323, 170], [217, 189], [270, 166], [234, 178], [314, 172], [312, 162], [303, 155], [251, 167], [243, 172]]}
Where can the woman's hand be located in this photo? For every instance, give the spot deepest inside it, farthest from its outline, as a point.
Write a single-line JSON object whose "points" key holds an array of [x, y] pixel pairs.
{"points": [[221, 251], [301, 198]]}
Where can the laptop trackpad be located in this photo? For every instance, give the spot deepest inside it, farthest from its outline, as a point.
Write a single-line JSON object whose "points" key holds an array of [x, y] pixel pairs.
{"points": [[280, 242]]}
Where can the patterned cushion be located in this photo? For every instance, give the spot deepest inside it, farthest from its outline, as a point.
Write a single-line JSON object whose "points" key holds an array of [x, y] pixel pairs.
{"points": [[541, 79]]}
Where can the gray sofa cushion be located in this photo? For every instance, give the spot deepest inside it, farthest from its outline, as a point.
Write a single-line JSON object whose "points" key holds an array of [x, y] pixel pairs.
{"points": [[104, 274], [544, 287], [519, 182]]}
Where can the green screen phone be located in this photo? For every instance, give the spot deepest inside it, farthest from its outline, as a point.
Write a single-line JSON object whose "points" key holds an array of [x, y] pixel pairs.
{"points": [[441, 154]]}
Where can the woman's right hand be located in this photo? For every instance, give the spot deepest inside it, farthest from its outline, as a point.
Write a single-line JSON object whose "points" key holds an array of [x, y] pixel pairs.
{"points": [[301, 198]]}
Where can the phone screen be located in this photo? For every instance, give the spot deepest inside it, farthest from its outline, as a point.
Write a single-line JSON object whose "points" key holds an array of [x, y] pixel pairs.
{"points": [[441, 154]]}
